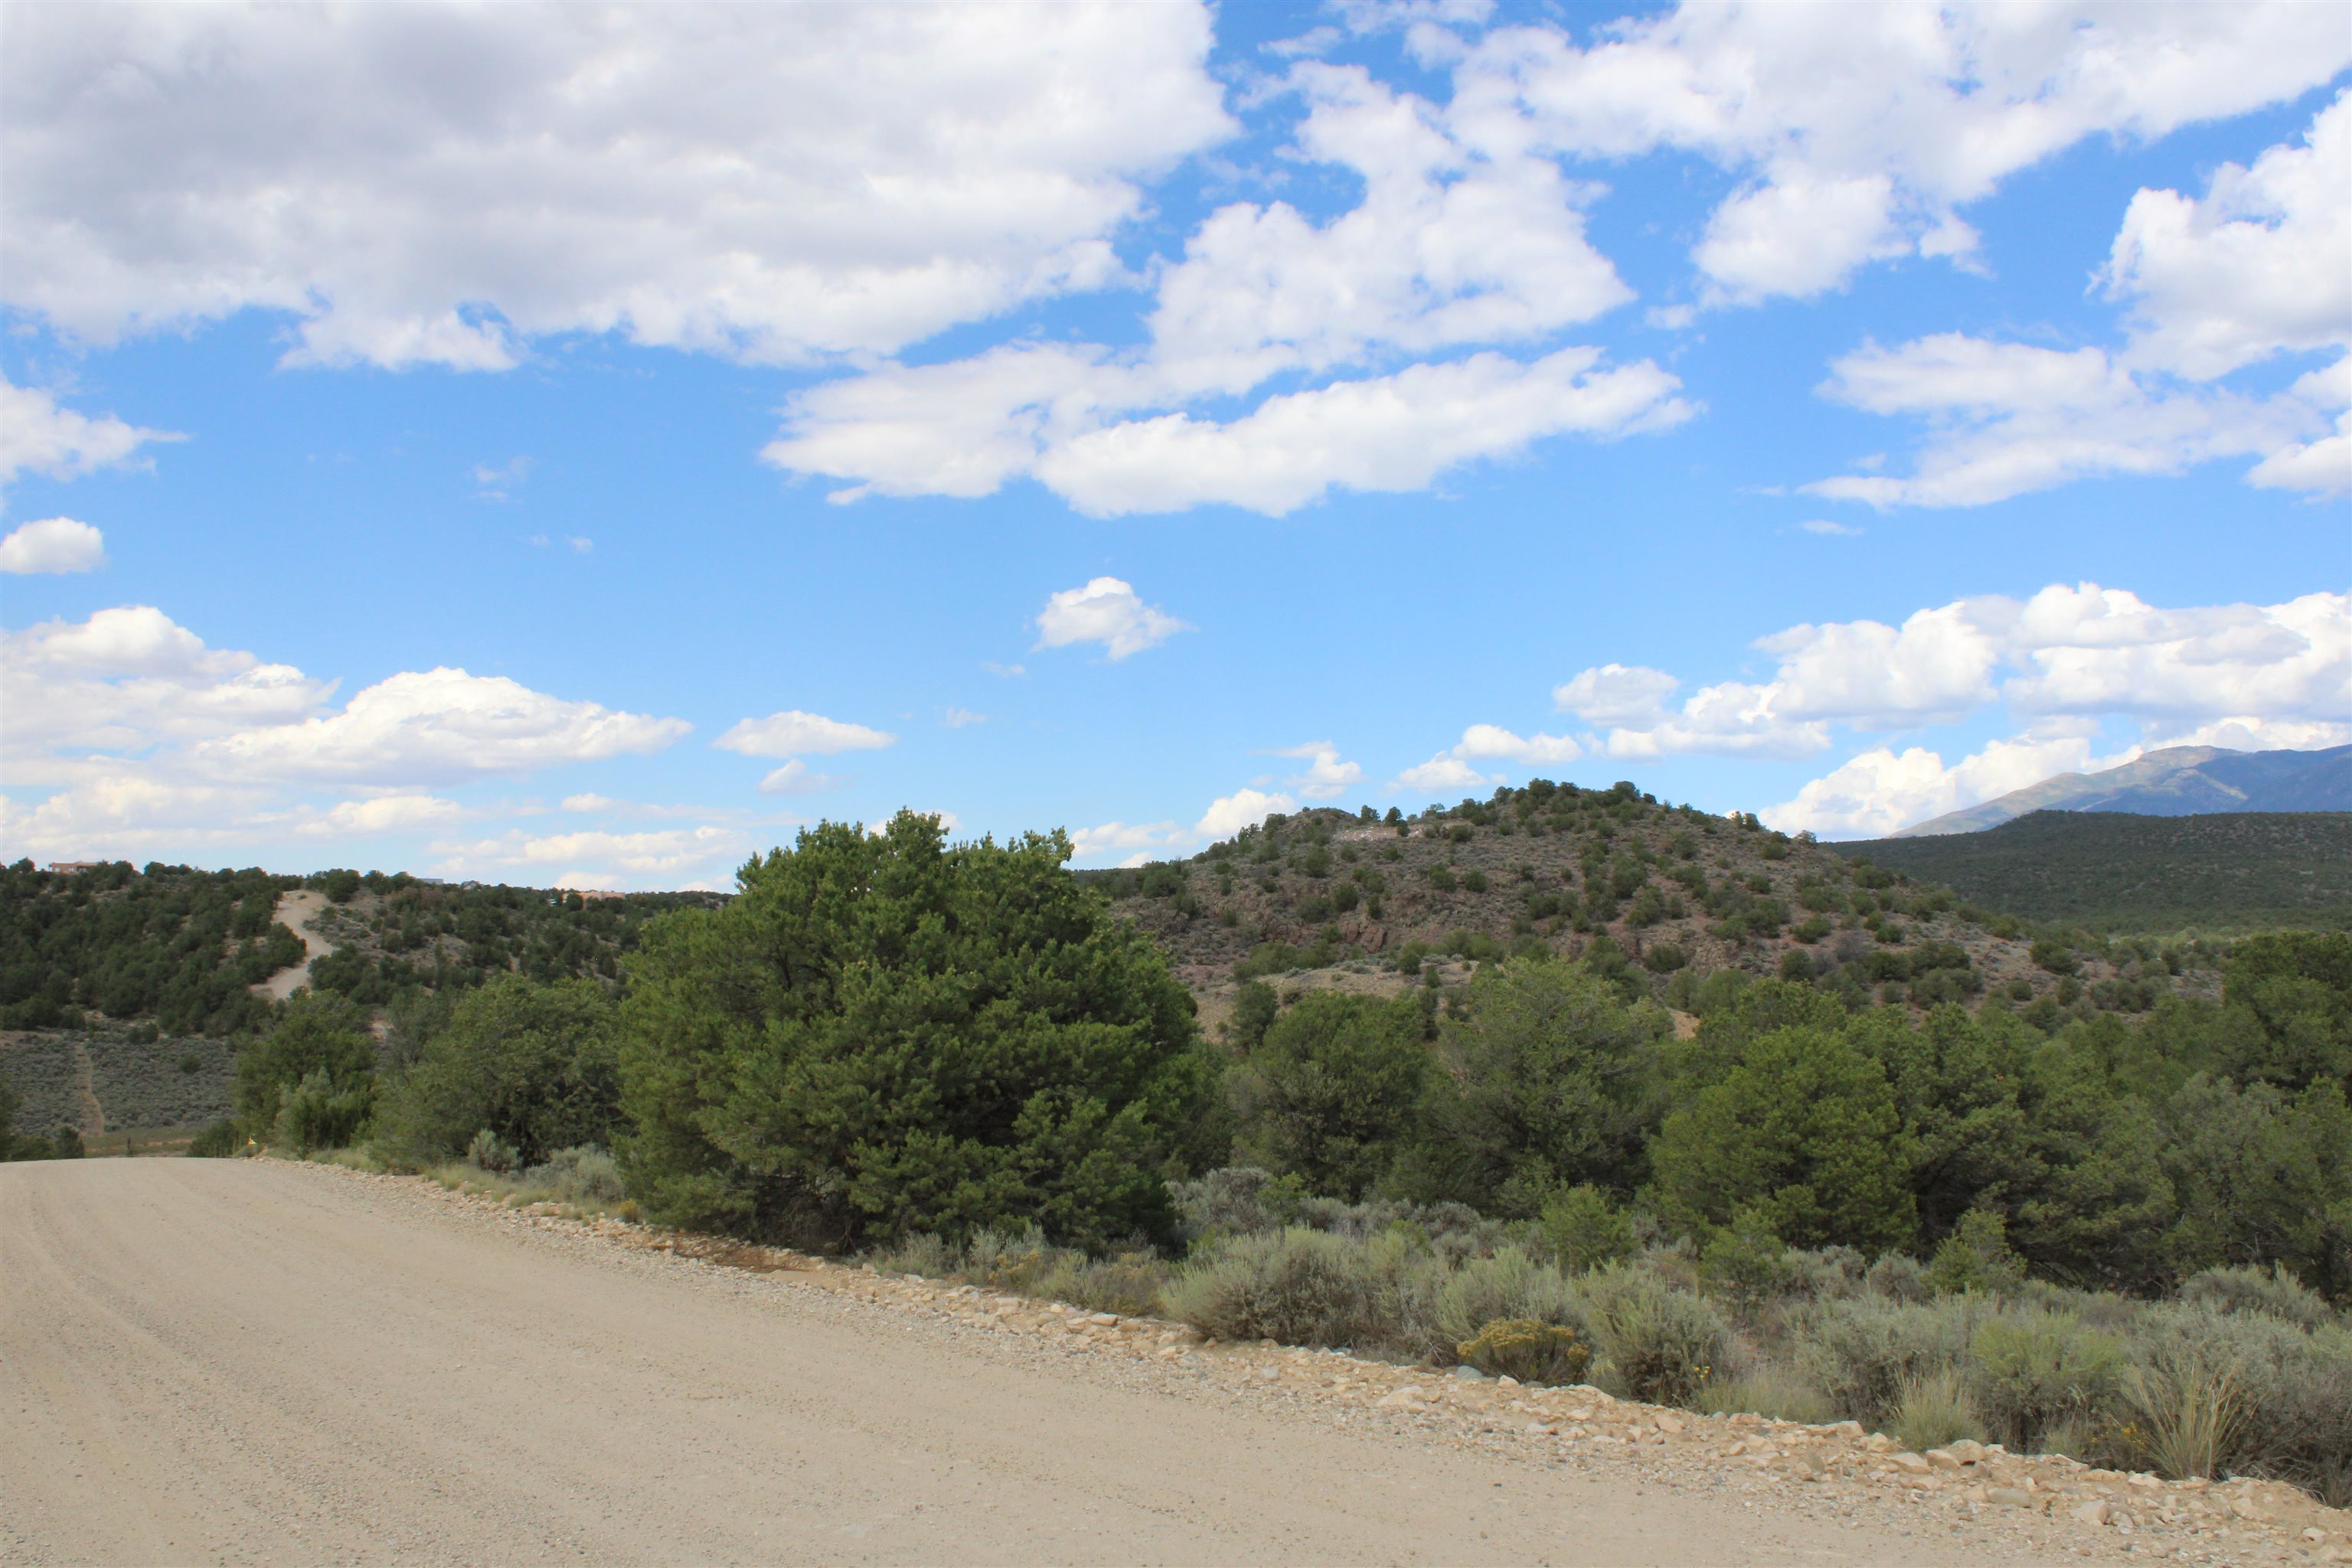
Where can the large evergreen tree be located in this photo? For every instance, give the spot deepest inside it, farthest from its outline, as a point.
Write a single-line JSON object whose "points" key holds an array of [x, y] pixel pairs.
{"points": [[886, 1034]]}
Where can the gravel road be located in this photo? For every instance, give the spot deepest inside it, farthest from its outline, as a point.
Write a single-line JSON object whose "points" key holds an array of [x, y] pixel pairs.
{"points": [[258, 1361]]}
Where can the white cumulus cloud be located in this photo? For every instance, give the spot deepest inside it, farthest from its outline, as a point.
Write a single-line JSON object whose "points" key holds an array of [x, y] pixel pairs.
{"points": [[792, 734], [2254, 268], [1449, 246], [1881, 791], [1457, 245], [39, 437], [1132, 840], [665, 858], [130, 680], [54, 544], [1229, 814], [2070, 651], [2006, 418], [1859, 132], [427, 185], [1106, 611], [1388, 433], [1441, 774], [438, 726], [1481, 742], [1328, 776]]}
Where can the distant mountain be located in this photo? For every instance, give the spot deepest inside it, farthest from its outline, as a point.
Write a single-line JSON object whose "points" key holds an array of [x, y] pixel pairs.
{"points": [[2179, 781], [2118, 871]]}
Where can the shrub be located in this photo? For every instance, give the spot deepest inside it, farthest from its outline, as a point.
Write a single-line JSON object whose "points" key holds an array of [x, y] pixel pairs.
{"points": [[2032, 1370], [1508, 1286], [1825, 1273], [582, 1175], [219, 1141], [1865, 1354], [1932, 1409], [2187, 1407], [314, 1035], [1235, 1200], [1584, 1229], [319, 1112], [1663, 1343], [1296, 1286], [2304, 1416], [1529, 1350], [1024, 1262], [1897, 1277], [2054, 955], [488, 1152], [1743, 1264], [1664, 958], [2276, 1293], [2208, 1391], [1976, 1257], [537, 1063]]}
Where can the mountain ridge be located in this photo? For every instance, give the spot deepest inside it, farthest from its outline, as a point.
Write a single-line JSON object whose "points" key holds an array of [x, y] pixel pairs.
{"points": [[2176, 781]]}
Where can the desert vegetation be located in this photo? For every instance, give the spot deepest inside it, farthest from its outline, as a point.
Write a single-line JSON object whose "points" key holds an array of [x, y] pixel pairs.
{"points": [[2122, 1233], [2107, 870], [179, 948], [1663, 899]]}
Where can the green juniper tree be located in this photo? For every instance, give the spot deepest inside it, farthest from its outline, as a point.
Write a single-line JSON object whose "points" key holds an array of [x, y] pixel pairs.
{"points": [[885, 1034]]}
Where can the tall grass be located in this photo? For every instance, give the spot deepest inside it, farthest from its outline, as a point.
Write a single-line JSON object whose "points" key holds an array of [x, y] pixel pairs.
{"points": [[2186, 1412]]}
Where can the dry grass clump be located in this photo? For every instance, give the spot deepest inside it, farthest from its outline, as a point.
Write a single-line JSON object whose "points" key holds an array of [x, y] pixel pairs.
{"points": [[1772, 1389], [1932, 1409], [585, 1180], [1026, 1263]]}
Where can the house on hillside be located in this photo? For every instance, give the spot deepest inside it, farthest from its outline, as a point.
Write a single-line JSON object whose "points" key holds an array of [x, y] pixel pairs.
{"points": [[73, 868]]}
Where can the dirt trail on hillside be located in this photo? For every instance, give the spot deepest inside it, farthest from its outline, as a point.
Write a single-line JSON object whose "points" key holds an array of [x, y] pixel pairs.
{"points": [[255, 1362], [293, 910], [93, 1115]]}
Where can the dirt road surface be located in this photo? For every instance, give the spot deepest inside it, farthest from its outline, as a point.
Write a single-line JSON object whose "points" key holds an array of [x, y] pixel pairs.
{"points": [[294, 909], [255, 1362]]}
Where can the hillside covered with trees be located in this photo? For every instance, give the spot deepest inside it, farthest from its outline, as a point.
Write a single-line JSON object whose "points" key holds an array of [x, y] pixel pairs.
{"points": [[124, 990], [2111, 871], [1659, 896], [183, 948]]}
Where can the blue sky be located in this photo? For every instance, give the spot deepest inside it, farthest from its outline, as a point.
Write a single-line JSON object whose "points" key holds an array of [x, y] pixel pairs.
{"points": [[543, 445]]}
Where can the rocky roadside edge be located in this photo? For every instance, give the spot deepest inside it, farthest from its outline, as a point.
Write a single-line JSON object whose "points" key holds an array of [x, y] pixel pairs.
{"points": [[2057, 1502]]}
